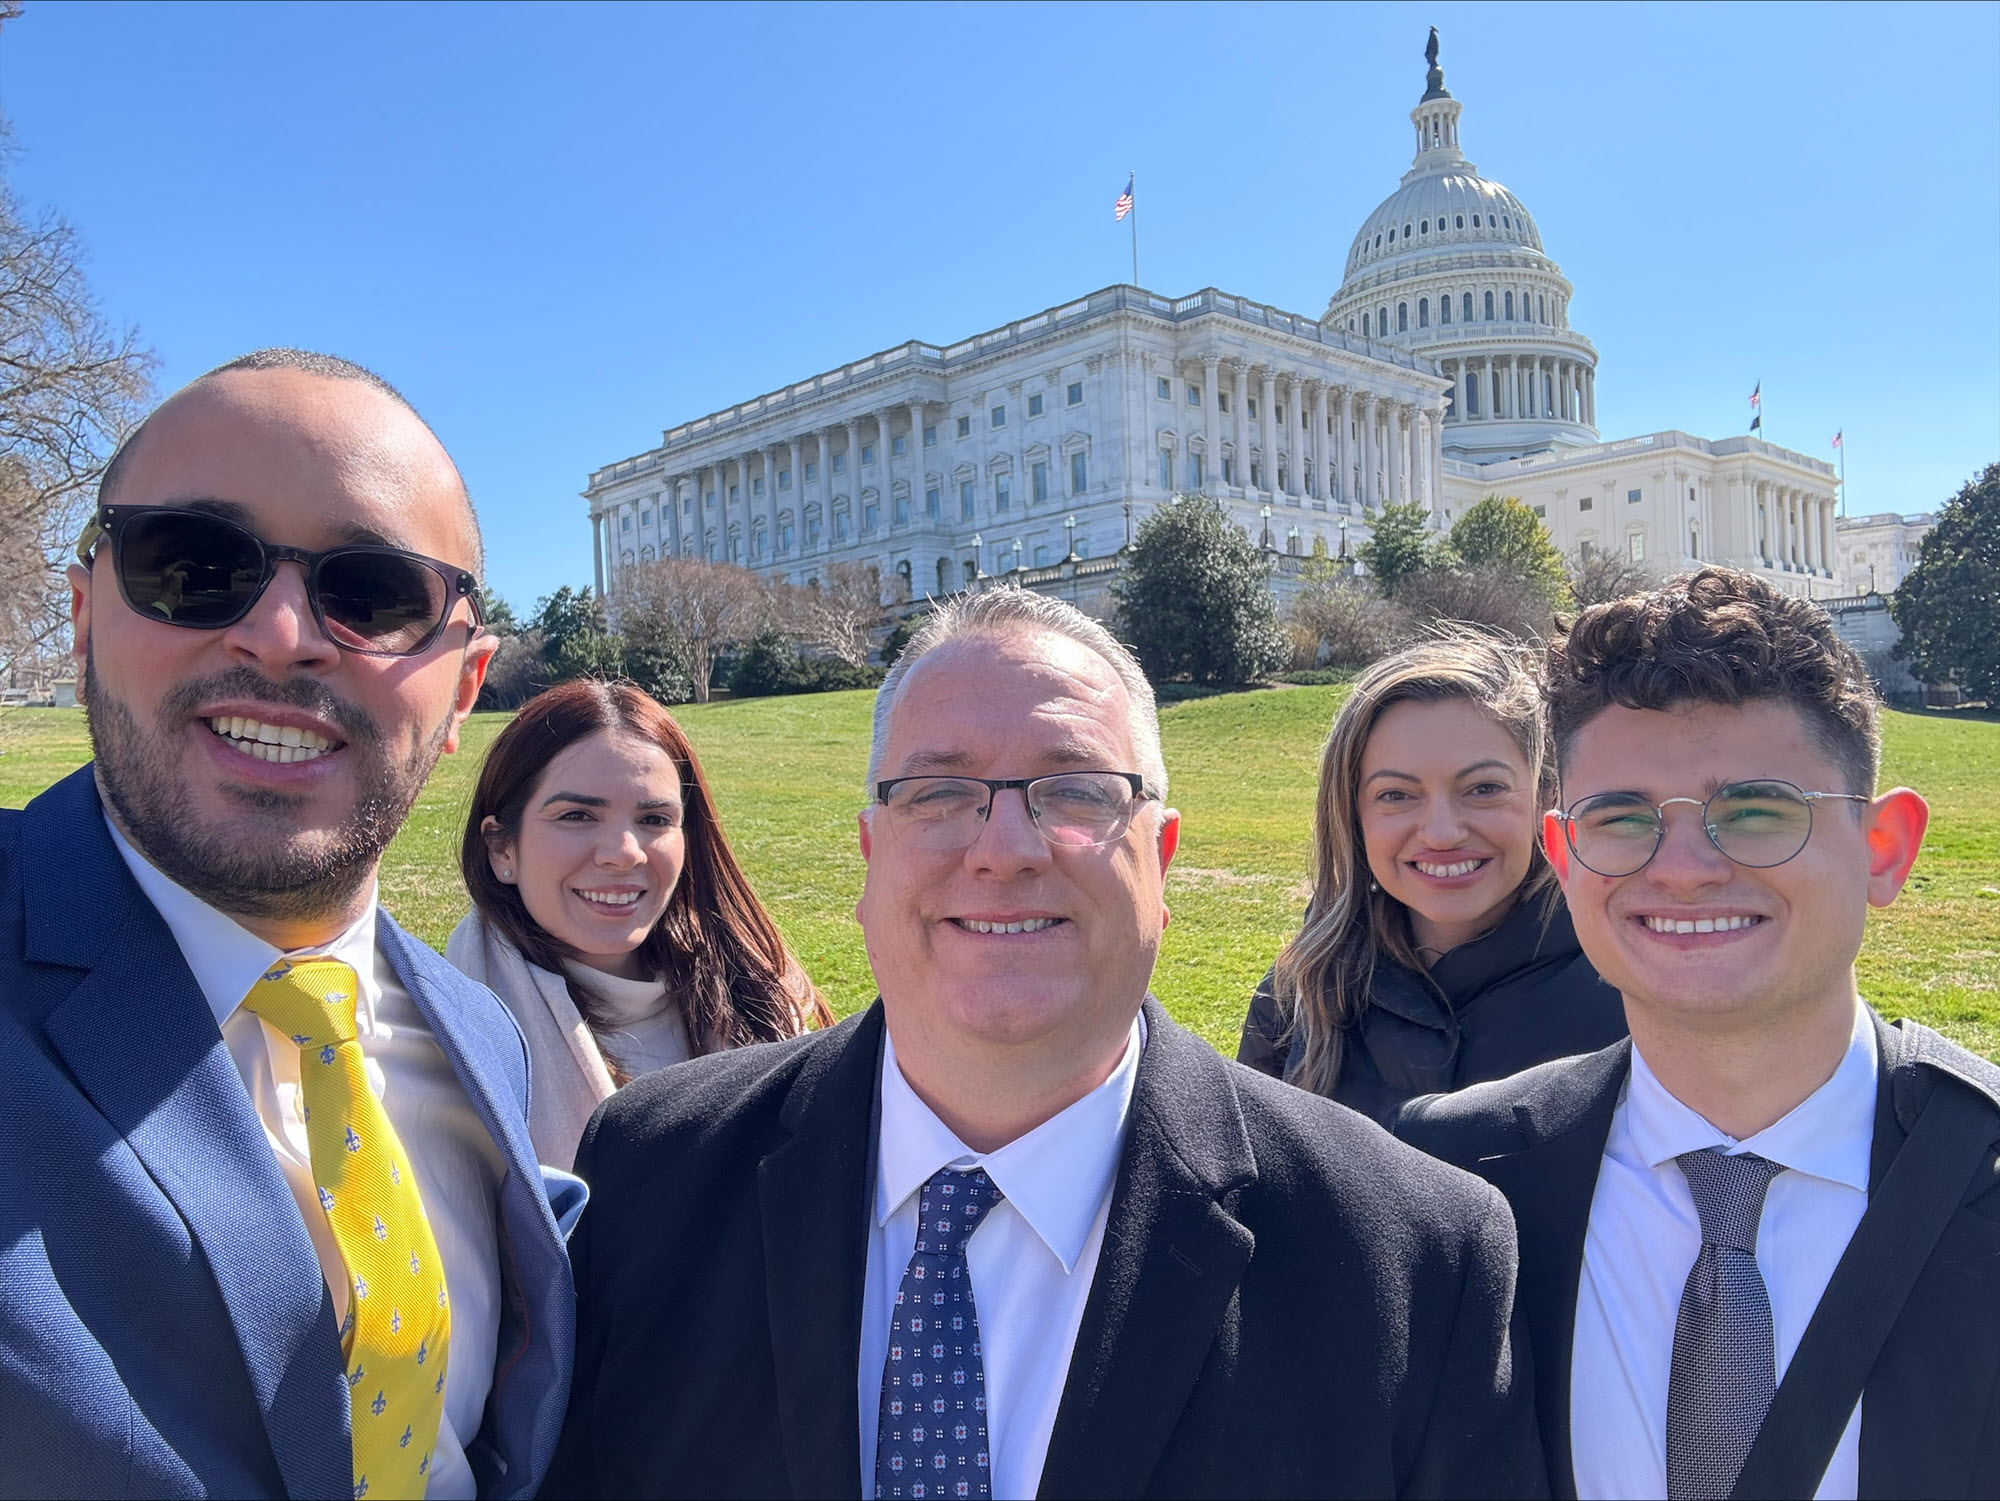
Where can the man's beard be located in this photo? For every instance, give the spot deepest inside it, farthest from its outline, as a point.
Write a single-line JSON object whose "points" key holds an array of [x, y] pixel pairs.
{"points": [[263, 865]]}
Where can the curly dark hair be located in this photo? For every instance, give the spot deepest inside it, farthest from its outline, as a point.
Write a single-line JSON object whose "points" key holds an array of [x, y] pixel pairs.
{"points": [[1716, 636]]}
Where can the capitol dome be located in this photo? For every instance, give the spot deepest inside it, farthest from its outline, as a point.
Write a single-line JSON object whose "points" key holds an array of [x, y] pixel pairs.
{"points": [[1450, 266]]}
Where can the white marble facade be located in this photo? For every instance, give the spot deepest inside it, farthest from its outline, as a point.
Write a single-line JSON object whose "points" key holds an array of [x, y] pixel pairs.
{"points": [[1873, 554], [1054, 435], [1444, 370]]}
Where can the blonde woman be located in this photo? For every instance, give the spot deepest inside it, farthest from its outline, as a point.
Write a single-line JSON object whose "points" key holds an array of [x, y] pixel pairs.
{"points": [[1436, 951]]}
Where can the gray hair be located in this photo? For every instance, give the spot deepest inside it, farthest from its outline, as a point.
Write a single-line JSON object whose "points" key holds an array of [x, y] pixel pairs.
{"points": [[1009, 608]]}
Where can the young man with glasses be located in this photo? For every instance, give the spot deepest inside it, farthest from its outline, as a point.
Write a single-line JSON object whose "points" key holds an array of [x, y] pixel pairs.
{"points": [[1010, 1231], [271, 1221], [1760, 1241]]}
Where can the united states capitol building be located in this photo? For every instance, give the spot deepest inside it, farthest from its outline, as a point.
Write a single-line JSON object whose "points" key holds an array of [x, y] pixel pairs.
{"points": [[1444, 369]]}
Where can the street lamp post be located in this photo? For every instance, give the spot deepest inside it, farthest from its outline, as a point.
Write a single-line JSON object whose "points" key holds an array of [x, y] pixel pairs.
{"points": [[978, 558], [1069, 527], [1265, 512], [1344, 564], [1017, 554], [1128, 521]]}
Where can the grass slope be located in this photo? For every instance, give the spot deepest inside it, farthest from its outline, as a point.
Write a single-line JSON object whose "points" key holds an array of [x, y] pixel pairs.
{"points": [[787, 772]]}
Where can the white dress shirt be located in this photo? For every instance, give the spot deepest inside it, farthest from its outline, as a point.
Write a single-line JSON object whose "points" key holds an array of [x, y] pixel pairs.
{"points": [[458, 1165], [1643, 1239], [1031, 1261]]}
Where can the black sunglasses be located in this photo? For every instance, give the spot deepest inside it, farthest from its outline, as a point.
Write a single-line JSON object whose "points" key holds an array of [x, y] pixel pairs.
{"points": [[199, 570]]}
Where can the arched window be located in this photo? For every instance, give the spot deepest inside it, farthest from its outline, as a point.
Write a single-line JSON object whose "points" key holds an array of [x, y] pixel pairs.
{"points": [[1461, 221], [1364, 325], [944, 576], [1402, 317], [903, 572], [1382, 321], [1506, 221], [1489, 307], [1472, 396], [1406, 231], [1542, 307], [1350, 322], [971, 570], [1378, 242], [1423, 312], [1468, 309], [1423, 226], [1475, 221], [1510, 307], [1444, 308], [1392, 234]]}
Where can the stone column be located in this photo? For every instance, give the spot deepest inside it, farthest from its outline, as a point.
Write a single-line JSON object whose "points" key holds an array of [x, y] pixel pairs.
{"points": [[1316, 446], [1342, 487], [853, 427], [885, 470], [1437, 463], [1510, 374], [773, 460], [1240, 378], [746, 503], [1211, 429], [919, 480], [1368, 493], [1267, 424], [798, 501]]}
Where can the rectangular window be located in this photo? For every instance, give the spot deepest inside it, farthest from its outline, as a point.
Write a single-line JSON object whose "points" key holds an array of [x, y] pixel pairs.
{"points": [[812, 473], [1228, 470], [965, 427], [1636, 544], [1076, 393], [757, 485], [840, 526], [997, 417], [1194, 394], [645, 518], [1041, 483], [687, 503], [931, 502], [902, 510], [625, 522], [1163, 388], [1584, 504], [784, 479], [1166, 469], [1632, 497], [840, 463], [1035, 406], [812, 530], [1541, 510], [1253, 409], [1003, 491], [1077, 474], [930, 437], [899, 446], [709, 500], [1083, 547], [870, 513], [1041, 557], [1222, 401], [1281, 416], [867, 453], [1195, 471], [785, 537], [735, 494], [968, 499], [1256, 475]]}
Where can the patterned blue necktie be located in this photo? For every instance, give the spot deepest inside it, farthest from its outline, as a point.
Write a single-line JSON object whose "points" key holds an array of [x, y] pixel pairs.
{"points": [[1725, 1358], [930, 1439]]}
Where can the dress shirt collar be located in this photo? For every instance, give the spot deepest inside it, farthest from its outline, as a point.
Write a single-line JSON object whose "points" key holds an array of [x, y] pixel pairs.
{"points": [[1829, 1134], [227, 958], [1056, 1176]]}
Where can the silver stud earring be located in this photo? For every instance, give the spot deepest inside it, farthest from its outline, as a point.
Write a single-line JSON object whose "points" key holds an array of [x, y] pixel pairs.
{"points": [[1374, 885], [507, 874]]}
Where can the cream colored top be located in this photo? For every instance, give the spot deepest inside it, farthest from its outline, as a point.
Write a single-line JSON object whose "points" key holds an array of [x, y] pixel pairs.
{"points": [[646, 1030]]}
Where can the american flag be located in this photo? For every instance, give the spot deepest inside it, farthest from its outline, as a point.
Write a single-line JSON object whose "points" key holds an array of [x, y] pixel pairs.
{"points": [[1124, 204], [1837, 437], [1757, 396]]}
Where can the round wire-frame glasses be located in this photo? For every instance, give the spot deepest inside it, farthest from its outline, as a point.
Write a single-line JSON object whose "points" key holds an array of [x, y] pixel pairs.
{"points": [[1757, 824]]}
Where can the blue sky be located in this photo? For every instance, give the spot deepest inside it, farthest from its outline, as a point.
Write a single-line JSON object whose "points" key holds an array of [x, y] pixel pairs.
{"points": [[562, 228]]}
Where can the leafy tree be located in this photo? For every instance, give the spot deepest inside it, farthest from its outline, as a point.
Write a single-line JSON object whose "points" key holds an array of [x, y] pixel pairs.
{"points": [[659, 670], [1399, 545], [498, 614], [576, 642], [1502, 532], [1345, 623], [1195, 599], [770, 662], [899, 638], [1949, 605]]}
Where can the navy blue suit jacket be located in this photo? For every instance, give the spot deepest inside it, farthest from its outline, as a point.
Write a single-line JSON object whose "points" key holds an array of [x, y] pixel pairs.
{"points": [[165, 1329]]}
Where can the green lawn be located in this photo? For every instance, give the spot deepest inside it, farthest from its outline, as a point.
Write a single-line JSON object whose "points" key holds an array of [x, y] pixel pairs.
{"points": [[788, 773]]}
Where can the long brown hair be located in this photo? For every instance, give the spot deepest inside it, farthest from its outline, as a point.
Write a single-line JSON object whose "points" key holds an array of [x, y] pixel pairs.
{"points": [[715, 946], [1322, 979]]}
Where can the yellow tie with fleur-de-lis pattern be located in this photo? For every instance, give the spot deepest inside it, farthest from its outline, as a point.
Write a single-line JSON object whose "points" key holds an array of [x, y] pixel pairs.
{"points": [[398, 1313]]}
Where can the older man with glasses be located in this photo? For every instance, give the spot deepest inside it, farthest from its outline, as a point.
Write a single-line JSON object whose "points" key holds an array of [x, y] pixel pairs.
{"points": [[270, 1222], [1760, 1240], [1011, 1231]]}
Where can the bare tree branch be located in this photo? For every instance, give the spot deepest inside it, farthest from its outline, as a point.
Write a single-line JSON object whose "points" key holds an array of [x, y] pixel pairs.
{"points": [[839, 615], [697, 608]]}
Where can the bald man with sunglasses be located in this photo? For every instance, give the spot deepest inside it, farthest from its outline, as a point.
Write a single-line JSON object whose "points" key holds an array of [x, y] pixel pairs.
{"points": [[270, 1221]]}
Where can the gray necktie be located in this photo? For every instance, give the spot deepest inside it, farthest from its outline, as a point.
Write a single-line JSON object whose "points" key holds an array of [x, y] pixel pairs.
{"points": [[1725, 1360]]}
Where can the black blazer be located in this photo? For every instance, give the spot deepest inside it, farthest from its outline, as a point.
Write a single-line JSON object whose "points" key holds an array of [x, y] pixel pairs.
{"points": [[1930, 1412], [1521, 995], [1288, 1302]]}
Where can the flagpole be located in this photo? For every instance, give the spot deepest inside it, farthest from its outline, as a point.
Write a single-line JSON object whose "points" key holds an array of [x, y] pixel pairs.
{"points": [[1843, 472], [1135, 227]]}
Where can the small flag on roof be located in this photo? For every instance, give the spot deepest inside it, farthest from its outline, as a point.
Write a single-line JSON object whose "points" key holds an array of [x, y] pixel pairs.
{"points": [[1124, 204]]}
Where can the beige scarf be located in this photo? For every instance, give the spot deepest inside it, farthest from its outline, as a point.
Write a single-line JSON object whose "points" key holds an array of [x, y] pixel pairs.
{"points": [[566, 1069]]}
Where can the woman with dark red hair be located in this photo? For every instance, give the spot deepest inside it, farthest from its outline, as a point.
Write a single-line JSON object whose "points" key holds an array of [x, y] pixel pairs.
{"points": [[607, 910]]}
